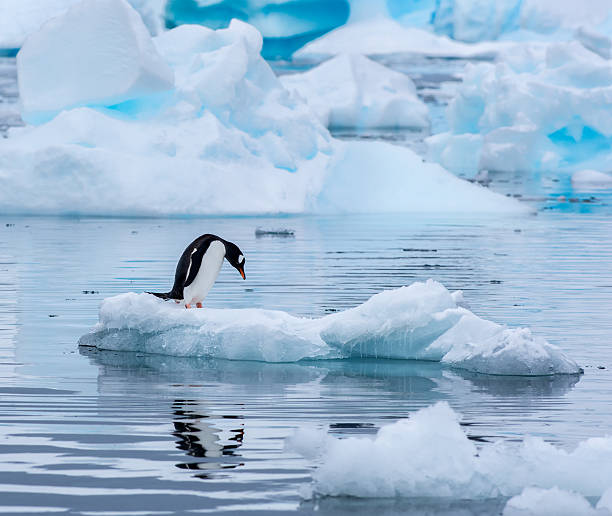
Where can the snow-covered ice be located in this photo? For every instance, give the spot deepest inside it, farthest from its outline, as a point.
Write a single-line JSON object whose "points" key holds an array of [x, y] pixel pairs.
{"points": [[540, 107], [97, 54], [429, 455], [422, 321], [226, 138], [351, 90]]}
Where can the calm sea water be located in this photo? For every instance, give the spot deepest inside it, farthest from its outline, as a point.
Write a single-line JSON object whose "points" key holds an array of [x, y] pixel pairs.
{"points": [[100, 433], [88, 432]]}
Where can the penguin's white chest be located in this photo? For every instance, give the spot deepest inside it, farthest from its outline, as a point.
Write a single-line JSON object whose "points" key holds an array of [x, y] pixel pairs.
{"points": [[207, 275]]}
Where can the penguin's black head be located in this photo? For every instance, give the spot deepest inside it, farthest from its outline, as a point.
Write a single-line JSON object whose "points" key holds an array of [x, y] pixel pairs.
{"points": [[235, 257]]}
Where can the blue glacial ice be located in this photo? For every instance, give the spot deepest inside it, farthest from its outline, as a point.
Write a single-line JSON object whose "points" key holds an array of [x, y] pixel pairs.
{"points": [[430, 455], [423, 321], [199, 125], [539, 107]]}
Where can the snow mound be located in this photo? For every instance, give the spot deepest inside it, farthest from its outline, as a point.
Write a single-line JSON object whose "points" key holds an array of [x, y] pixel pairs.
{"points": [[422, 321], [351, 90], [538, 108], [429, 455], [374, 177], [98, 53]]}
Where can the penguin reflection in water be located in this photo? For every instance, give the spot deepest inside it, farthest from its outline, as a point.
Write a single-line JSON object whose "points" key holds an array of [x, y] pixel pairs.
{"points": [[198, 268]]}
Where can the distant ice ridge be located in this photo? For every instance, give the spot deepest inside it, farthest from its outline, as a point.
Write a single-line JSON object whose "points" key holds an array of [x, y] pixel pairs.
{"points": [[422, 321], [539, 107], [475, 20], [351, 90], [429, 455], [192, 122]]}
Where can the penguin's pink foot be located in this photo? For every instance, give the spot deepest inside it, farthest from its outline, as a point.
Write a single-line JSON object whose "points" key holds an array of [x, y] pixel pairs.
{"points": [[187, 305], [177, 301], [199, 305]]}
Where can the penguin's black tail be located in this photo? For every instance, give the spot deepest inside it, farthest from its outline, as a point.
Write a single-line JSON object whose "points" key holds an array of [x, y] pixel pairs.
{"points": [[162, 295]]}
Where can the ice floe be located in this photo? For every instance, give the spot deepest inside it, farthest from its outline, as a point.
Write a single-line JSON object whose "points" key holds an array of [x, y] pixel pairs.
{"points": [[422, 321], [351, 90], [225, 138], [121, 62], [429, 455], [538, 108]]}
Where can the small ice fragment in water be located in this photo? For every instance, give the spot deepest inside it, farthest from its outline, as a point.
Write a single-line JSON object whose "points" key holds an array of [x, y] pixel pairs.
{"points": [[280, 232]]}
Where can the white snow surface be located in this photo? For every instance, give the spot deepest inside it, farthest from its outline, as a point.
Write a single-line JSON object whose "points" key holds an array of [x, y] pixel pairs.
{"points": [[98, 53], [538, 107], [228, 138], [20, 18], [421, 321], [429, 455], [351, 90]]}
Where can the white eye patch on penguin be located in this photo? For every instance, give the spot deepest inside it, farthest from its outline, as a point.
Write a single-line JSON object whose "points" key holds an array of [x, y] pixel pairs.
{"points": [[198, 268]]}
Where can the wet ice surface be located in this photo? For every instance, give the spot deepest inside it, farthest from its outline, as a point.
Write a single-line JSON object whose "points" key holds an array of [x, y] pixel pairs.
{"points": [[128, 429]]}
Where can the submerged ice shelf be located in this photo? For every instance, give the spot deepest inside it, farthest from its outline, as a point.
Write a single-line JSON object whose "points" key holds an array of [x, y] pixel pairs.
{"points": [[422, 321]]}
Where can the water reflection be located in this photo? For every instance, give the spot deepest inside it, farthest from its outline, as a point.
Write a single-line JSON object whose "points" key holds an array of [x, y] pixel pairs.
{"points": [[203, 441]]}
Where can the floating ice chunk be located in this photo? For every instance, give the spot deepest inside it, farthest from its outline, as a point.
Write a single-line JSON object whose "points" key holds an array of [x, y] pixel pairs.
{"points": [[458, 153], [422, 321], [98, 53], [591, 179], [429, 455], [351, 90], [535, 501]]}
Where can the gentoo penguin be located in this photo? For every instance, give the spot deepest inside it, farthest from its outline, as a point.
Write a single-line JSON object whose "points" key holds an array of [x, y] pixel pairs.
{"points": [[198, 268]]}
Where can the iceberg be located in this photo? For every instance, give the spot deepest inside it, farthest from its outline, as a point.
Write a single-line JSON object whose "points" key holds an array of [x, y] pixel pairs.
{"points": [[98, 53], [423, 321], [351, 90], [21, 18], [537, 108], [226, 138], [430, 455]]}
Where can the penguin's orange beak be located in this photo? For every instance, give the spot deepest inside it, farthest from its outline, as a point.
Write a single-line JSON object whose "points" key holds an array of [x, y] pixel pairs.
{"points": [[241, 271]]}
